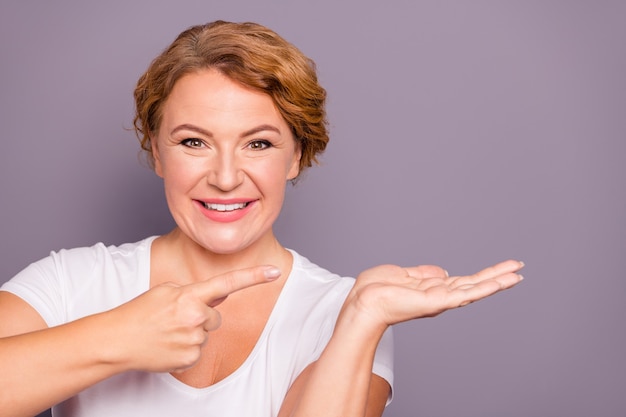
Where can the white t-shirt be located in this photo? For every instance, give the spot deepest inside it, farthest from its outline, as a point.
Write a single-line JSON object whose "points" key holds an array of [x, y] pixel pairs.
{"points": [[74, 283]]}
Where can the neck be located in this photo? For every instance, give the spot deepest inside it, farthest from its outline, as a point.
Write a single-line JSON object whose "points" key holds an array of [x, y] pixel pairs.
{"points": [[196, 263]]}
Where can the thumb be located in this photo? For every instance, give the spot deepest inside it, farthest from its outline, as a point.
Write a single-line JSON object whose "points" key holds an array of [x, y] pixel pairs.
{"points": [[219, 287]]}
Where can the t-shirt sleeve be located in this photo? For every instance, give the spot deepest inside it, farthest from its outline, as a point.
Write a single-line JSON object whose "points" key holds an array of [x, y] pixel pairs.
{"points": [[383, 361], [73, 283], [38, 284]]}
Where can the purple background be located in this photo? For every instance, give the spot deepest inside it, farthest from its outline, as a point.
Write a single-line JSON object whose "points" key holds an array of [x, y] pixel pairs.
{"points": [[463, 133]]}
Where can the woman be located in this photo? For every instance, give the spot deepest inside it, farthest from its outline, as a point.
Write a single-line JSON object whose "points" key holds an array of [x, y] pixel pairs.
{"points": [[217, 317]]}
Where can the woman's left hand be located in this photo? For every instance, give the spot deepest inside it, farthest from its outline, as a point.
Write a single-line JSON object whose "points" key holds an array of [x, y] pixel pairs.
{"points": [[390, 294]]}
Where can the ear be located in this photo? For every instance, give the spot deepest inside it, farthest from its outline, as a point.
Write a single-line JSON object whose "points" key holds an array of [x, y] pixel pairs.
{"points": [[158, 167], [294, 169]]}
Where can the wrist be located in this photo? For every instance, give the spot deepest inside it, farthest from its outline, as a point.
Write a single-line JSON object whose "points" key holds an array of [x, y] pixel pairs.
{"points": [[109, 343], [357, 321]]}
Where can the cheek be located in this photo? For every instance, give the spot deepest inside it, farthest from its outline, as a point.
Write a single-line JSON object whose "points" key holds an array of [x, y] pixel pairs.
{"points": [[180, 174], [270, 179], [279, 171]]}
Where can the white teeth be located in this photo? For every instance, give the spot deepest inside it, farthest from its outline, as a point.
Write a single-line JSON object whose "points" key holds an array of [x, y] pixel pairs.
{"points": [[225, 207]]}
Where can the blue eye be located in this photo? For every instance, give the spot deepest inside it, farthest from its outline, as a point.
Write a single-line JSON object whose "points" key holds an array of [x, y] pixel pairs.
{"points": [[192, 143], [260, 144]]}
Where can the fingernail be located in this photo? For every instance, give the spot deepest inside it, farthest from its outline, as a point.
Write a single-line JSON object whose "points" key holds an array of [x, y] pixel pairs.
{"points": [[521, 277], [446, 272], [521, 264], [271, 272]]}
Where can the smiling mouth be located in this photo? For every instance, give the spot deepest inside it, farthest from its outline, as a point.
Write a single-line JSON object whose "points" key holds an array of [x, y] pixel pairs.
{"points": [[225, 207]]}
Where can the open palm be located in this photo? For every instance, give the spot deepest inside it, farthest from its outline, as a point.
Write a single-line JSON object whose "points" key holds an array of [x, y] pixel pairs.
{"points": [[393, 294]]}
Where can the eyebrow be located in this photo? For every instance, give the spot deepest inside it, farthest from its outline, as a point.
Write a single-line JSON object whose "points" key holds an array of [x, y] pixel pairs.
{"points": [[204, 132]]}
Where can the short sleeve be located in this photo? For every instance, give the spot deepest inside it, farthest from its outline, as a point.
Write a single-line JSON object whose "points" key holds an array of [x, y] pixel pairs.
{"points": [[74, 283], [38, 284], [383, 361]]}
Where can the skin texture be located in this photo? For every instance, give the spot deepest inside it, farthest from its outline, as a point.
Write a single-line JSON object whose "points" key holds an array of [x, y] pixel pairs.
{"points": [[229, 145], [226, 146]]}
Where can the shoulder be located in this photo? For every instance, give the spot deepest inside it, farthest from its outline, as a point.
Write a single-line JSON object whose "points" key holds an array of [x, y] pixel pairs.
{"points": [[313, 294], [310, 277], [100, 254], [112, 274], [85, 260], [71, 283]]}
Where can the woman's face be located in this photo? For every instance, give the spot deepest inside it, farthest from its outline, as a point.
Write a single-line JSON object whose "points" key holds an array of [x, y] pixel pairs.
{"points": [[225, 154]]}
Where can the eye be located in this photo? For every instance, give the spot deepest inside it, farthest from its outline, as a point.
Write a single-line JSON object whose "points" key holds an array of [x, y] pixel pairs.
{"points": [[258, 145], [192, 143]]}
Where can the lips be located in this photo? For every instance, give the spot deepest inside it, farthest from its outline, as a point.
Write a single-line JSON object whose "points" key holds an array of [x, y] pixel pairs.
{"points": [[225, 211]]}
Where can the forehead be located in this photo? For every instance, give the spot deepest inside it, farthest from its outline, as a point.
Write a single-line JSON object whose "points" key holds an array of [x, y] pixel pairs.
{"points": [[208, 93]]}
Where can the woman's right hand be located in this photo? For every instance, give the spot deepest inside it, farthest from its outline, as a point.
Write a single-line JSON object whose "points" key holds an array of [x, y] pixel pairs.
{"points": [[164, 329]]}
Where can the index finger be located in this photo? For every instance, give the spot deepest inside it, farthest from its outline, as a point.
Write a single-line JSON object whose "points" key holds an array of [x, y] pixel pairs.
{"points": [[221, 286]]}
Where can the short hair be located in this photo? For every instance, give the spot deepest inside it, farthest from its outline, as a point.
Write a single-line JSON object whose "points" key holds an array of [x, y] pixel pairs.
{"points": [[252, 55]]}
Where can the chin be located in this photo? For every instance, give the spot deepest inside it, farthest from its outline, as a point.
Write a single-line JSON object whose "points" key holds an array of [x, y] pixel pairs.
{"points": [[224, 247]]}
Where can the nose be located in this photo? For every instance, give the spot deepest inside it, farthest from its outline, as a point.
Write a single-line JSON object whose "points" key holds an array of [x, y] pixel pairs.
{"points": [[225, 172]]}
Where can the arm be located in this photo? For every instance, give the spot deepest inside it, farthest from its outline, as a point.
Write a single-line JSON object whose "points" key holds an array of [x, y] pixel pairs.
{"points": [[340, 383], [162, 330], [41, 366]]}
